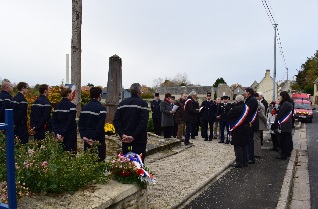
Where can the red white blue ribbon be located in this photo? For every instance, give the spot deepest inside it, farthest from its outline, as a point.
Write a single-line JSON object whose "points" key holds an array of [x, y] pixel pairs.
{"points": [[241, 119], [254, 117], [285, 118], [186, 102]]}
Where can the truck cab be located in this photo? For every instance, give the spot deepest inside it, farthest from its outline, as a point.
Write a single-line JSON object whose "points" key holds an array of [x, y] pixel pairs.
{"points": [[303, 110]]}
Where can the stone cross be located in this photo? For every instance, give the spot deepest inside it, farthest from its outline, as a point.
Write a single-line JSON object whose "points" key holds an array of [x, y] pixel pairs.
{"points": [[114, 87]]}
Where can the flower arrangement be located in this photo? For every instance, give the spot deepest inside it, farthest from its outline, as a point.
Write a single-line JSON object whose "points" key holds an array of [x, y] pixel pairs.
{"points": [[129, 169], [109, 129]]}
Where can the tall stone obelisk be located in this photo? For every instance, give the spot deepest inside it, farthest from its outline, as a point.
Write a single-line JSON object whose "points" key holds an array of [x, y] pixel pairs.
{"points": [[114, 87]]}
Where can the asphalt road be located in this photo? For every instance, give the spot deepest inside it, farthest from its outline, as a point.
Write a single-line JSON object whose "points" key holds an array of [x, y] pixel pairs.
{"points": [[257, 186], [312, 137]]}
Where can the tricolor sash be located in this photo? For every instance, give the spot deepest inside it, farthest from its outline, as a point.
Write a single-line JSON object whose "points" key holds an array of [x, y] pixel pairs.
{"points": [[254, 117], [186, 102], [241, 119], [285, 118]]}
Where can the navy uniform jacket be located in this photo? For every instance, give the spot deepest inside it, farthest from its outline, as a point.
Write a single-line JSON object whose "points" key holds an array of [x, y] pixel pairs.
{"points": [[155, 108], [131, 118], [41, 114], [20, 108], [63, 118], [223, 111], [5, 103], [209, 110], [92, 121], [252, 103]]}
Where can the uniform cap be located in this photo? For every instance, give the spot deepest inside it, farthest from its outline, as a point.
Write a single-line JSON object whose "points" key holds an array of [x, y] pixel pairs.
{"points": [[156, 94], [225, 97], [208, 94]]}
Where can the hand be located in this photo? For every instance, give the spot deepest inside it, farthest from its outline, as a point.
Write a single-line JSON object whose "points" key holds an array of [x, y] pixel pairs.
{"points": [[59, 137], [218, 117], [127, 139], [32, 131]]}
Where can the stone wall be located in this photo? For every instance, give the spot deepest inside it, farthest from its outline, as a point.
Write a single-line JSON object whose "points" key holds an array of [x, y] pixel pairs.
{"points": [[112, 195]]}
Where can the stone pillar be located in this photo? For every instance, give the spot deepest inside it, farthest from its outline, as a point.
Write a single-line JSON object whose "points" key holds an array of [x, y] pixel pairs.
{"points": [[114, 87]]}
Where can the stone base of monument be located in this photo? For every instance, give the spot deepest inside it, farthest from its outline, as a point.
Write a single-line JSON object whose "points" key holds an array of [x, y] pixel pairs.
{"points": [[113, 195]]}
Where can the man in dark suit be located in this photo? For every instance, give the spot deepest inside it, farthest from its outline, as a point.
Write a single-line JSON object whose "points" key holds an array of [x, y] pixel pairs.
{"points": [[223, 111], [208, 115], [252, 103], [156, 114]]}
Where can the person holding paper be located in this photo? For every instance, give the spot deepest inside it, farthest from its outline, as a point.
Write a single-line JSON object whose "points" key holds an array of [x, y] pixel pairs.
{"points": [[166, 116]]}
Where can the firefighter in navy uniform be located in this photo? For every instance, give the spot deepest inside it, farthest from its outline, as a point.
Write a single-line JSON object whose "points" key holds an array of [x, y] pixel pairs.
{"points": [[92, 121], [208, 116], [20, 109], [223, 111], [40, 118], [130, 121], [63, 120], [5, 98], [156, 114]]}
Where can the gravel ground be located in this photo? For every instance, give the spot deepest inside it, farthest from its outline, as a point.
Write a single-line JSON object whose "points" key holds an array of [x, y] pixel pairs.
{"points": [[175, 182]]}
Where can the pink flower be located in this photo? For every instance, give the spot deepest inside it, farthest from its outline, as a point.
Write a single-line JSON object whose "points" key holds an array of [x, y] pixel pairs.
{"points": [[44, 164]]}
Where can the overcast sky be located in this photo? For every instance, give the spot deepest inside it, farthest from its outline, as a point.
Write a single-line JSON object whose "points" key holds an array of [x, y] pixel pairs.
{"points": [[206, 39]]}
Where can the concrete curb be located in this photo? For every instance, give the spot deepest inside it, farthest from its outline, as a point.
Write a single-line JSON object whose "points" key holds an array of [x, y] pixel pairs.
{"points": [[284, 199], [164, 147], [204, 184]]}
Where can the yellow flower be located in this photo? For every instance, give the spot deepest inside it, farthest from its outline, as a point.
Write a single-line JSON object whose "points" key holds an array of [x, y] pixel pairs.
{"points": [[109, 128]]}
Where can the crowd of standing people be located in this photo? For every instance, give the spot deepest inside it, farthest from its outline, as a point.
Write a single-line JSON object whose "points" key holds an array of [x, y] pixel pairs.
{"points": [[240, 123]]}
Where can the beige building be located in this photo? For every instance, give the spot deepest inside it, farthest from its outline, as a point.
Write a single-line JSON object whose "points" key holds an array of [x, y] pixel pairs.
{"points": [[314, 98], [266, 86]]}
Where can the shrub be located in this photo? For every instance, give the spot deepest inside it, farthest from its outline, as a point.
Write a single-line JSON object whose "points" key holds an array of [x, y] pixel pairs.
{"points": [[48, 168]]}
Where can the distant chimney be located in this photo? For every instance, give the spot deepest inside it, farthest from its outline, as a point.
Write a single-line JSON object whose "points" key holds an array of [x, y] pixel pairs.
{"points": [[267, 74]]}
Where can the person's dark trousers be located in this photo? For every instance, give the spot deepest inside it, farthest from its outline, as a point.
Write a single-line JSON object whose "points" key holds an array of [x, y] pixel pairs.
{"points": [[175, 130], [70, 142], [189, 126], [204, 129], [157, 125], [21, 131], [250, 146], [167, 131], [39, 135], [101, 150], [275, 142], [138, 148], [241, 155], [193, 130], [286, 143], [262, 136], [224, 124]]}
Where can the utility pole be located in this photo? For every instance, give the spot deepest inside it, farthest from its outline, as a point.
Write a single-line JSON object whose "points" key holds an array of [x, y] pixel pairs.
{"points": [[274, 73], [76, 50], [67, 69]]}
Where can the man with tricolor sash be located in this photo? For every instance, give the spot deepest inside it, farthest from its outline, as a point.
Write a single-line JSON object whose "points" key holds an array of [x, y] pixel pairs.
{"points": [[238, 117], [252, 103]]}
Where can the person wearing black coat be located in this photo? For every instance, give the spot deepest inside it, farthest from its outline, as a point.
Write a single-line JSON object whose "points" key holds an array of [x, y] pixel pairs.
{"points": [[156, 114], [190, 114], [63, 121], [5, 98], [20, 109], [222, 113], [167, 121], [40, 117], [208, 116], [130, 121], [92, 121], [283, 122], [239, 131], [252, 103], [196, 124]]}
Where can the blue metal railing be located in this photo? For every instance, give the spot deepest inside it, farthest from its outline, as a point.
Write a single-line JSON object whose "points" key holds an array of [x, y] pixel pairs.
{"points": [[8, 126]]}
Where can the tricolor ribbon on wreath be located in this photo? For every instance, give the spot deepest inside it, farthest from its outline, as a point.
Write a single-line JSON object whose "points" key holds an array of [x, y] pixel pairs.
{"points": [[143, 174]]}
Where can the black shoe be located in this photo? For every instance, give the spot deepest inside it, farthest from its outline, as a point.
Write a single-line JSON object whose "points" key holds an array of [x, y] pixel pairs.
{"points": [[205, 139], [236, 165], [251, 162], [226, 142], [210, 139], [192, 137], [189, 143], [245, 165], [275, 149], [281, 157], [220, 142]]}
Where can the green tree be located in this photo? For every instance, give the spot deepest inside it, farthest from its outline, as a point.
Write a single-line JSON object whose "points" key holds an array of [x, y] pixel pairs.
{"points": [[307, 75], [218, 81]]}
